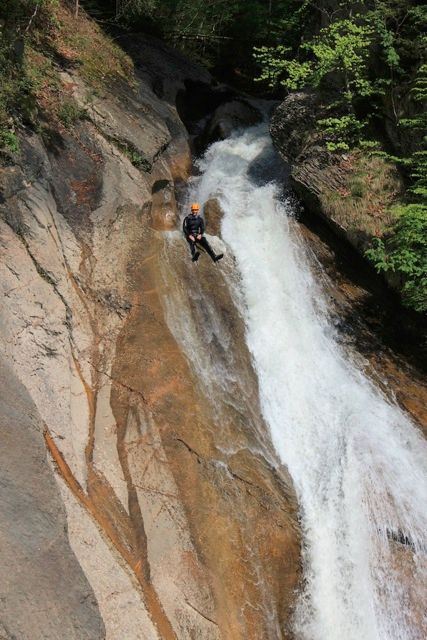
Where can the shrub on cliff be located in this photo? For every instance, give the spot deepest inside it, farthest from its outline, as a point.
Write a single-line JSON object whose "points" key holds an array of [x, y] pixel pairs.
{"points": [[17, 19], [38, 38], [404, 251], [404, 248]]}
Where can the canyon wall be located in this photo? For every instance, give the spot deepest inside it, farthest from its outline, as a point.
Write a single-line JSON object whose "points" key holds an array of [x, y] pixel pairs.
{"points": [[135, 502]]}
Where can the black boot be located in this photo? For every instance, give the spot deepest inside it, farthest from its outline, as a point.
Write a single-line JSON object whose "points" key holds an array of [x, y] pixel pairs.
{"points": [[218, 257], [195, 256]]}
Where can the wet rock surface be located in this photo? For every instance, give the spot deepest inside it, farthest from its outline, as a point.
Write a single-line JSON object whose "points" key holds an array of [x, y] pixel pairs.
{"points": [[213, 215], [135, 507]]}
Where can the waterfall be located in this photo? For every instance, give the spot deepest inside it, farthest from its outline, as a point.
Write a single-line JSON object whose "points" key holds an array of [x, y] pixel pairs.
{"points": [[358, 463]]}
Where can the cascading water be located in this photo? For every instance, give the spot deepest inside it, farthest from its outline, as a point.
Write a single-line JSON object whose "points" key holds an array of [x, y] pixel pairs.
{"points": [[358, 464]]}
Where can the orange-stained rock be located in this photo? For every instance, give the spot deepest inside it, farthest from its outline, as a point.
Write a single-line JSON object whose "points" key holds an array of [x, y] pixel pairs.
{"points": [[163, 211], [241, 513], [179, 158]]}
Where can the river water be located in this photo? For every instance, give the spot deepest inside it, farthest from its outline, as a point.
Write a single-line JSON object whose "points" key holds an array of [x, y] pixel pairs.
{"points": [[358, 464]]}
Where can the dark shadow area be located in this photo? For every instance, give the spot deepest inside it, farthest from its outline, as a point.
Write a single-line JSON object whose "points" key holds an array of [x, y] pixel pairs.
{"points": [[53, 141], [401, 538], [268, 167], [159, 185], [197, 100]]}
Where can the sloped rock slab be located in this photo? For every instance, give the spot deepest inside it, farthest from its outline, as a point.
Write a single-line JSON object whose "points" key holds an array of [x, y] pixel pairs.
{"points": [[44, 593]]}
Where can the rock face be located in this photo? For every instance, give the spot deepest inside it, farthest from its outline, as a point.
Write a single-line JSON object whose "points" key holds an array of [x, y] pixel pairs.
{"points": [[230, 116], [38, 565], [351, 192], [139, 499], [213, 215]]}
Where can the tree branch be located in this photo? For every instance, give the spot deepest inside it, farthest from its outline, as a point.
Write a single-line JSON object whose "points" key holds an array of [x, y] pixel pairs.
{"points": [[27, 28]]}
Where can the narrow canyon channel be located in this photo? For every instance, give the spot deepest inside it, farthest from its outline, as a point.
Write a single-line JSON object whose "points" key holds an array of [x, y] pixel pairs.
{"points": [[208, 450], [357, 460]]}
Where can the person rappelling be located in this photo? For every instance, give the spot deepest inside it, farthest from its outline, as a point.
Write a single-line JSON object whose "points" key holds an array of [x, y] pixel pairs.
{"points": [[194, 229]]}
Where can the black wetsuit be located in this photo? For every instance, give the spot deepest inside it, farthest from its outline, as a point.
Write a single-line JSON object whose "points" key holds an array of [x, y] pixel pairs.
{"points": [[195, 226]]}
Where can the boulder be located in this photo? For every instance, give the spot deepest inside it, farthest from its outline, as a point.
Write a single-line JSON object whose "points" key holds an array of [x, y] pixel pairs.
{"points": [[229, 116], [213, 216], [293, 125]]}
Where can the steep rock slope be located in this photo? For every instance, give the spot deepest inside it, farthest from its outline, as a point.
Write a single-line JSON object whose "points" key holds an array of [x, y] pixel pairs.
{"points": [[134, 505], [351, 191]]}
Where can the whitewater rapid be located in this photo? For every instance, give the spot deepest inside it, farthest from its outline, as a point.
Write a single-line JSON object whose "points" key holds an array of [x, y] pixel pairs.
{"points": [[358, 464]]}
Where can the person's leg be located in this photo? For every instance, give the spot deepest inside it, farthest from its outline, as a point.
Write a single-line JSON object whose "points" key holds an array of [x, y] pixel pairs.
{"points": [[194, 253], [205, 244]]}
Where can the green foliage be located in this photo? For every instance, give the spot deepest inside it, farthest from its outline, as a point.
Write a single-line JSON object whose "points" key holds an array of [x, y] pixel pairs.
{"points": [[128, 8], [340, 145], [219, 32], [358, 190], [18, 20], [274, 64], [8, 140], [341, 132], [135, 157], [404, 249], [360, 55], [338, 57], [368, 56], [195, 25], [341, 48], [404, 252], [418, 124], [70, 112], [368, 145], [419, 89]]}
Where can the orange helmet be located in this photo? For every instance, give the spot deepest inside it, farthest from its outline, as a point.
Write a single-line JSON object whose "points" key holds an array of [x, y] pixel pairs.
{"points": [[195, 206]]}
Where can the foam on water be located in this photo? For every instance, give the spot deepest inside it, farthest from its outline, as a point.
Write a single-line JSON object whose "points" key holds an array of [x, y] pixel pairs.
{"points": [[358, 464]]}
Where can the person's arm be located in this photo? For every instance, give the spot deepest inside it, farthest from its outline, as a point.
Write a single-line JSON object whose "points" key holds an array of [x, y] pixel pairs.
{"points": [[201, 226]]}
